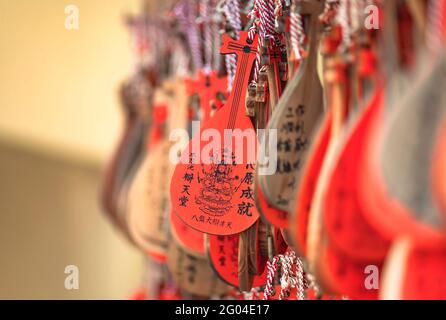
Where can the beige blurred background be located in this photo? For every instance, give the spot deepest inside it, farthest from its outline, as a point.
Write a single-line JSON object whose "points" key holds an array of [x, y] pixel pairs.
{"points": [[59, 120]]}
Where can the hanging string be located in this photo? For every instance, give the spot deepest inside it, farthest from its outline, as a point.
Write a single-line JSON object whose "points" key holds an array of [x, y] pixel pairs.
{"points": [[344, 21], [232, 13], [155, 33], [271, 267], [186, 14], [355, 15], [267, 19], [277, 13], [140, 42], [330, 11], [300, 280], [179, 59], [288, 279], [216, 37], [310, 282], [263, 13], [192, 33], [254, 294], [297, 32], [434, 32], [207, 34], [253, 15], [292, 276]]}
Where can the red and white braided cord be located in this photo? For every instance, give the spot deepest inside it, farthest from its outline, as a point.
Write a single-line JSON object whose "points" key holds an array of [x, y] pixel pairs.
{"points": [[254, 294], [207, 34], [185, 12], [215, 31], [254, 14], [232, 12], [297, 32], [357, 19], [434, 33], [330, 11], [267, 19], [300, 280], [344, 21], [292, 276], [263, 11], [271, 268], [192, 33], [288, 279]]}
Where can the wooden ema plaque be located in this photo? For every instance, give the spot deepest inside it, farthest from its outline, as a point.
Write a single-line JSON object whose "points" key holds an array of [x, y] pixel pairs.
{"points": [[109, 179], [397, 165], [338, 90], [439, 170], [273, 55], [128, 150], [324, 134], [146, 205], [341, 242], [341, 275], [271, 214], [413, 273], [344, 221], [305, 191], [223, 254], [207, 87], [208, 193], [274, 216], [131, 160], [192, 274], [295, 118], [191, 240], [148, 209]]}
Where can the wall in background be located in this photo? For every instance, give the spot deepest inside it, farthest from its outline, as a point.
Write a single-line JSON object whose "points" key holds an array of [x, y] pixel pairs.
{"points": [[58, 88], [59, 119], [50, 218]]}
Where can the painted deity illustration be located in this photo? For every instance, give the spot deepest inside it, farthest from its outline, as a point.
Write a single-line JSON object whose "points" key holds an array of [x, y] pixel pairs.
{"points": [[217, 190]]}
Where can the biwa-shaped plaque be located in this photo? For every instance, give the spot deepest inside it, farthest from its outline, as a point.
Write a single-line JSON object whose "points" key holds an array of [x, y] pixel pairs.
{"points": [[339, 268], [224, 255], [192, 241], [439, 170], [211, 189], [193, 274], [343, 226], [397, 164], [305, 192], [337, 222], [273, 215], [136, 97], [341, 275], [148, 207], [323, 137], [344, 220], [413, 273], [299, 109], [209, 87]]}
